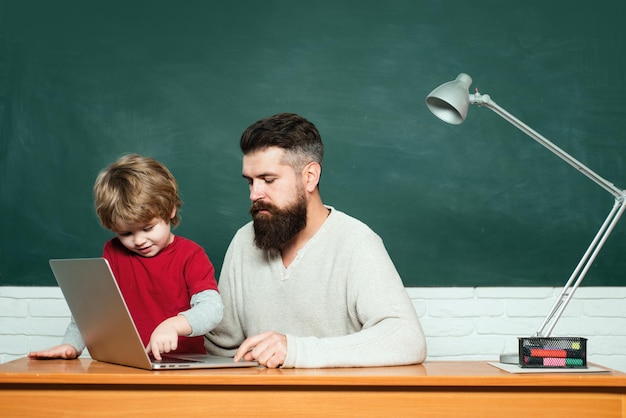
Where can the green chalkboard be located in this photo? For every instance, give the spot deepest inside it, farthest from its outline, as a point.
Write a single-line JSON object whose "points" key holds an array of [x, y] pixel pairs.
{"points": [[480, 204]]}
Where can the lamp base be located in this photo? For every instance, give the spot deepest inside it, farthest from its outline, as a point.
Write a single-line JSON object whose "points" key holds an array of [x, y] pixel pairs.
{"points": [[509, 358]]}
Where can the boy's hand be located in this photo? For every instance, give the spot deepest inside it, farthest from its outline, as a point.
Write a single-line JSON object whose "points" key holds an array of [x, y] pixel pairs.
{"points": [[64, 351], [164, 338]]}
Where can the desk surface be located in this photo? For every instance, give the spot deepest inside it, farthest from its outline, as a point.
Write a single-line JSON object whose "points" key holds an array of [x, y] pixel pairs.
{"points": [[444, 388], [441, 373]]}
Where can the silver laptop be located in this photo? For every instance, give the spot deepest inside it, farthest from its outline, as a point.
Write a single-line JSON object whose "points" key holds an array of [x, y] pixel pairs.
{"points": [[105, 324]]}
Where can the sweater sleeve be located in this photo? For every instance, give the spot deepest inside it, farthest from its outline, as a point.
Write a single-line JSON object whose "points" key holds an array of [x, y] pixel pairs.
{"points": [[72, 336], [391, 342], [205, 313]]}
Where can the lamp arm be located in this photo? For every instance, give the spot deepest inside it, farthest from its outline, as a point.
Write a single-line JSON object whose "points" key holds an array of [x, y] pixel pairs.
{"points": [[601, 236], [581, 270], [485, 100]]}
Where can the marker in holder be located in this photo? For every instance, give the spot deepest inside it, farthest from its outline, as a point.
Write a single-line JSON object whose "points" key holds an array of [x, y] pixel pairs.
{"points": [[553, 352]]}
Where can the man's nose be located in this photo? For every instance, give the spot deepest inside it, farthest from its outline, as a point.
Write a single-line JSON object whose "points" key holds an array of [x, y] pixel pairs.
{"points": [[256, 191]]}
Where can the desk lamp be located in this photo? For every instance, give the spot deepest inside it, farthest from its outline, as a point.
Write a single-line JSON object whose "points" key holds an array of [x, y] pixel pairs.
{"points": [[450, 103]]}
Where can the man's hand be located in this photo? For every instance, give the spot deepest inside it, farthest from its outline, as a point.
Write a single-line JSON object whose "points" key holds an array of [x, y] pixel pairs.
{"points": [[164, 338], [269, 349]]}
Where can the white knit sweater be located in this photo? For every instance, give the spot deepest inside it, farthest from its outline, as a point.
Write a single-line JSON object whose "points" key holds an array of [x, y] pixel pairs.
{"points": [[341, 302]]}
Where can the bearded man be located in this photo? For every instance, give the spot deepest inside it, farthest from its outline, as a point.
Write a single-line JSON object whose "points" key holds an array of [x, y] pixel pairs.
{"points": [[303, 284]]}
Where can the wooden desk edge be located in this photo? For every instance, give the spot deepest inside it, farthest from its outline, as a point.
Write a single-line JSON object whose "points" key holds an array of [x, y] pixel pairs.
{"points": [[430, 374]]}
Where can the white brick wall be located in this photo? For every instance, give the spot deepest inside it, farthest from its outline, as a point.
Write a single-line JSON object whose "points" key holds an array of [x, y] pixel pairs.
{"points": [[460, 323]]}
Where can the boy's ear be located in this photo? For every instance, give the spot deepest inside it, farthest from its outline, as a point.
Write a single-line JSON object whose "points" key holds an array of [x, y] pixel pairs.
{"points": [[173, 213]]}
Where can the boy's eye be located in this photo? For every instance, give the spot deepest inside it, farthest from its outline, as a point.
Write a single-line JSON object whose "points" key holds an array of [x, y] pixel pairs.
{"points": [[123, 234], [148, 228]]}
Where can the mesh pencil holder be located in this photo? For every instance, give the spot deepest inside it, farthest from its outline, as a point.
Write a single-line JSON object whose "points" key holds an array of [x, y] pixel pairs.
{"points": [[553, 352]]}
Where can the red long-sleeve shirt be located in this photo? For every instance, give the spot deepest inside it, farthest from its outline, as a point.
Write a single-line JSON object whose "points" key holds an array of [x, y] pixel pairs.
{"points": [[159, 287]]}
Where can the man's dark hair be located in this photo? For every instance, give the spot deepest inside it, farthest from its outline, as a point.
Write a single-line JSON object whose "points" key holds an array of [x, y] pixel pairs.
{"points": [[293, 133]]}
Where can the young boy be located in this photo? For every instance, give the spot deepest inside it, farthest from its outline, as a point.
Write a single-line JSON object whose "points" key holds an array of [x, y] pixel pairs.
{"points": [[167, 281]]}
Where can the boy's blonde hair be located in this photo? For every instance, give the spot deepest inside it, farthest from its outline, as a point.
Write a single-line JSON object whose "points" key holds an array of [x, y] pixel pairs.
{"points": [[135, 190]]}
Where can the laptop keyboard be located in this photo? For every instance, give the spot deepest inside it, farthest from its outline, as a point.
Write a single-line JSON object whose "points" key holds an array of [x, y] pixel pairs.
{"points": [[169, 360]]}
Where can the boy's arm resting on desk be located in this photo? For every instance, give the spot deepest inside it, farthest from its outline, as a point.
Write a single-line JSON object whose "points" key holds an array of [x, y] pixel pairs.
{"points": [[71, 347], [63, 351]]}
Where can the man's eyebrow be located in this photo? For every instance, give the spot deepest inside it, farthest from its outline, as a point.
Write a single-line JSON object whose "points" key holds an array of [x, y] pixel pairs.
{"points": [[259, 176]]}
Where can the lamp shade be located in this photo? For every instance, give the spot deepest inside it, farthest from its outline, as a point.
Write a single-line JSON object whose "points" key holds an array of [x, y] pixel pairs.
{"points": [[449, 101]]}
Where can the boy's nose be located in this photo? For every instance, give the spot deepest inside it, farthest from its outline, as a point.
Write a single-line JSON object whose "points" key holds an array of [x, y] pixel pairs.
{"points": [[139, 239]]}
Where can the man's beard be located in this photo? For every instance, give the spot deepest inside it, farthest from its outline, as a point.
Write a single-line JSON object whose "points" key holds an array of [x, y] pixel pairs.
{"points": [[275, 229]]}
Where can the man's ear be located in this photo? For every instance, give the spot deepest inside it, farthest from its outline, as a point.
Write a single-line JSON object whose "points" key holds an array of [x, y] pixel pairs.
{"points": [[311, 176]]}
